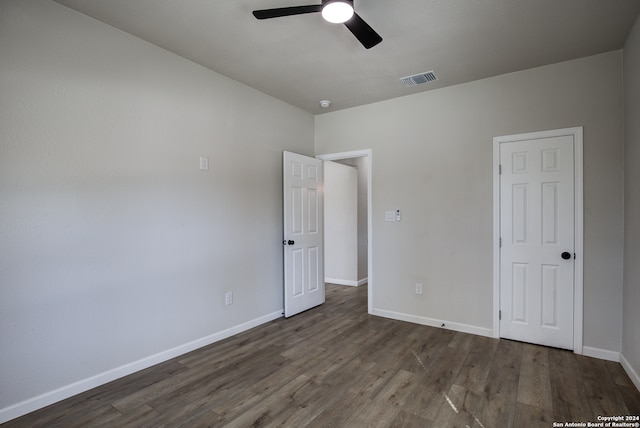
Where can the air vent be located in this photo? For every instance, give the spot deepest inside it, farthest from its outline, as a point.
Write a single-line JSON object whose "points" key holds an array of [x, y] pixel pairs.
{"points": [[420, 78]]}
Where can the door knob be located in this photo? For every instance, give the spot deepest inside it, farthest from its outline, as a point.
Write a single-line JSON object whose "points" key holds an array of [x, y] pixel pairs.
{"points": [[566, 255], [290, 242]]}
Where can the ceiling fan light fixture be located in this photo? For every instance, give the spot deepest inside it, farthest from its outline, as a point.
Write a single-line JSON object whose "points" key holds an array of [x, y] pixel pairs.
{"points": [[337, 11]]}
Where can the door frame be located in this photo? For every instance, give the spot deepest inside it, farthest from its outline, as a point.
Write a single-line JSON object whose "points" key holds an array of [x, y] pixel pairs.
{"points": [[578, 291], [368, 153]]}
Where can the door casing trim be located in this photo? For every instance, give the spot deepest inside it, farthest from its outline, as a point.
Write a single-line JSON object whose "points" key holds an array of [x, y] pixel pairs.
{"points": [[578, 290]]}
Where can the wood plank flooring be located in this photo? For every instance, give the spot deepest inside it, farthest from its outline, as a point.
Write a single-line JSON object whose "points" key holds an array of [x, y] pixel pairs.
{"points": [[337, 366]]}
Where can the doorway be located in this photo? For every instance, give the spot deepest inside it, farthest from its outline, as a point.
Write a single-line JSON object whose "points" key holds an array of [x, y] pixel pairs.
{"points": [[538, 238], [362, 160]]}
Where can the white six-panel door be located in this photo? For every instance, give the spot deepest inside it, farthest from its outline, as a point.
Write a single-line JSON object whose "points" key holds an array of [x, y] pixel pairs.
{"points": [[303, 233], [537, 233]]}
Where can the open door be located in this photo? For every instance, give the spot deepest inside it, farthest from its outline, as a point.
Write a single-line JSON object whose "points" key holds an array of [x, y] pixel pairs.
{"points": [[303, 233]]}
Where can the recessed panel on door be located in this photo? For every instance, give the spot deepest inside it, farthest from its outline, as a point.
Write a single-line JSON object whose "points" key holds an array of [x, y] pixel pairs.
{"points": [[519, 163], [520, 278], [549, 213], [296, 170], [314, 266], [297, 210], [297, 283], [549, 307], [312, 173], [520, 212], [313, 214], [550, 161]]}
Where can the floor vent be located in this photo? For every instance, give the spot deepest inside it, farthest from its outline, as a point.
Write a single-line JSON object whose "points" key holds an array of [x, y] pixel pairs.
{"points": [[420, 78]]}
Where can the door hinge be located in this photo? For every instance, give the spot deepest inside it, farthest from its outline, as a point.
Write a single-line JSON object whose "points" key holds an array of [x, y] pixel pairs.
{"points": [[500, 315], [500, 242], [500, 169]]}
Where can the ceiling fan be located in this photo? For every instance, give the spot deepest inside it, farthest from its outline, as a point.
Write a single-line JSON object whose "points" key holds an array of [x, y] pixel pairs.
{"points": [[334, 11]]}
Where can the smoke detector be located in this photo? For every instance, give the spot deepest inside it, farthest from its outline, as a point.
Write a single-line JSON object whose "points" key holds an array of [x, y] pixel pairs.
{"points": [[325, 103], [417, 79]]}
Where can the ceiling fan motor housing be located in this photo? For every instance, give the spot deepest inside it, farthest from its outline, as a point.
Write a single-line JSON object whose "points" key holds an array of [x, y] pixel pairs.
{"points": [[337, 11], [326, 2]]}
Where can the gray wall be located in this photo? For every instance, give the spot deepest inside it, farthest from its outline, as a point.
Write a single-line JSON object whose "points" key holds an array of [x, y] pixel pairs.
{"points": [[362, 165], [115, 249], [432, 158], [631, 313], [340, 223]]}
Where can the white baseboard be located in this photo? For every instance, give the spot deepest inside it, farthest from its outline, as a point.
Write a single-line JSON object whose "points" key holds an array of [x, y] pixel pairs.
{"points": [[463, 328], [633, 375], [346, 281], [43, 400], [603, 354]]}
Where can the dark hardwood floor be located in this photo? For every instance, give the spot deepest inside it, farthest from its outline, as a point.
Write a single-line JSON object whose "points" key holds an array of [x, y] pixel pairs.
{"points": [[337, 366]]}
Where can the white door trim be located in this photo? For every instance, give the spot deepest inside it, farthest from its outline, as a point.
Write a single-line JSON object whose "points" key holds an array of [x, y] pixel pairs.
{"points": [[368, 153], [577, 134]]}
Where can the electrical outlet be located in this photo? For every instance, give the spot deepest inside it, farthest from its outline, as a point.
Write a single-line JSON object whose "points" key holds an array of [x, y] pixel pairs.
{"points": [[228, 298], [418, 288]]}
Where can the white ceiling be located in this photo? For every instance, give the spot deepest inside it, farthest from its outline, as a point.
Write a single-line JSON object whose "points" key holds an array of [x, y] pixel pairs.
{"points": [[303, 59]]}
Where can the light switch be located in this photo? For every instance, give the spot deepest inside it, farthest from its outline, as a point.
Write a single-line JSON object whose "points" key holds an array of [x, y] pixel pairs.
{"points": [[204, 163], [389, 216]]}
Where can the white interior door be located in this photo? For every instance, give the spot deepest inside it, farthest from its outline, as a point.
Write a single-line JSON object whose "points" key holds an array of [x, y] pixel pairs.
{"points": [[537, 270], [303, 233]]}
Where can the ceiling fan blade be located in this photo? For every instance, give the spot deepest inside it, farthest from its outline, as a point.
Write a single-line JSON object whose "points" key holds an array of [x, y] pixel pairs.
{"points": [[286, 11], [363, 32]]}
